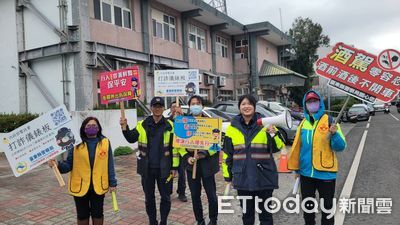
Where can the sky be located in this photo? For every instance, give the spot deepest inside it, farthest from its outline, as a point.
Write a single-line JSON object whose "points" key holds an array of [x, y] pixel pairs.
{"points": [[371, 25]]}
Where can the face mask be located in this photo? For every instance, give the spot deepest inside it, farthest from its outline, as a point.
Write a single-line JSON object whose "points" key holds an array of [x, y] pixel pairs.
{"points": [[312, 107], [196, 109], [91, 131]]}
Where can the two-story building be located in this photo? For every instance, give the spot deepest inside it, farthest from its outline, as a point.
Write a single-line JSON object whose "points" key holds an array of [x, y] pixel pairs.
{"points": [[56, 50]]}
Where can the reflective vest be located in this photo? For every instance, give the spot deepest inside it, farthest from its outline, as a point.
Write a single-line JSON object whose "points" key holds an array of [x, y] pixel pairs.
{"points": [[253, 166], [166, 162], [323, 157], [82, 175]]}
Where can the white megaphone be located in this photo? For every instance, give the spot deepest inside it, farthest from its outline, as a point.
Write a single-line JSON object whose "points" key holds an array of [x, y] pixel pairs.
{"points": [[283, 120]]}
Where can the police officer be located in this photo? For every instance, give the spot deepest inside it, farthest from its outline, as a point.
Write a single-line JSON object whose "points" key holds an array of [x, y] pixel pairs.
{"points": [[156, 159], [249, 162], [207, 167]]}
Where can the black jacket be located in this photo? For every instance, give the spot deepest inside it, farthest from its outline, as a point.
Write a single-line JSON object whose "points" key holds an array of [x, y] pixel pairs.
{"points": [[166, 154]]}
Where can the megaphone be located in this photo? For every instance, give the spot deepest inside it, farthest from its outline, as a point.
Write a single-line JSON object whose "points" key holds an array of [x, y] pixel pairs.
{"points": [[283, 120]]}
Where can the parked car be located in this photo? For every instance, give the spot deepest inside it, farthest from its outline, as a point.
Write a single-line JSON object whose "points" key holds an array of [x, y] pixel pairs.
{"points": [[276, 107], [357, 113], [379, 107], [370, 109], [230, 108], [207, 111]]}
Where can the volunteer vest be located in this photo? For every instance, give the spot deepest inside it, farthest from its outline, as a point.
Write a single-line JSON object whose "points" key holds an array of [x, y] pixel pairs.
{"points": [[82, 175], [323, 157]]}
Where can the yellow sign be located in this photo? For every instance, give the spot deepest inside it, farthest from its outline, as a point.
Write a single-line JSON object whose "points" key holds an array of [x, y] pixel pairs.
{"points": [[197, 133]]}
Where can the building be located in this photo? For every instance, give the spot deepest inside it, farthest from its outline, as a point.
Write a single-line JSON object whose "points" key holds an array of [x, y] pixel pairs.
{"points": [[54, 50]]}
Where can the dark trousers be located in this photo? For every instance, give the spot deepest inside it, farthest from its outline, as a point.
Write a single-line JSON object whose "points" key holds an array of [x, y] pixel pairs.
{"points": [[148, 184], [181, 179], [91, 204], [195, 190], [248, 218], [326, 190]]}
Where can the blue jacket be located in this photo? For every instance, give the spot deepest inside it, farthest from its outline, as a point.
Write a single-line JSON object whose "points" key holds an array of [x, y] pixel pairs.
{"points": [[338, 143]]}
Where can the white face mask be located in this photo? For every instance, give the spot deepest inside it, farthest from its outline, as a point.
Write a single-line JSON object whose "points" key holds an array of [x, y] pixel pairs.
{"points": [[196, 109]]}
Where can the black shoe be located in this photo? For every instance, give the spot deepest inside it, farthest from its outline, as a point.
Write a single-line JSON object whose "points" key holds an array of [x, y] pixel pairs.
{"points": [[201, 223], [182, 198]]}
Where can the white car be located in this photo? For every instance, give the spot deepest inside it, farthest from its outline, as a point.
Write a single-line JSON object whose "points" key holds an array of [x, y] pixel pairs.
{"points": [[207, 111], [370, 109], [277, 107]]}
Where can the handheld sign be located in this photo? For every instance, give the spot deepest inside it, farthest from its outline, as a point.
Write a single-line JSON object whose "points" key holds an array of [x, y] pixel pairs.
{"points": [[198, 133], [359, 74], [169, 83], [40, 140], [119, 85]]}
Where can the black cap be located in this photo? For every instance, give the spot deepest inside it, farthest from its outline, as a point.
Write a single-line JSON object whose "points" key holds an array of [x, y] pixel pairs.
{"points": [[157, 101]]}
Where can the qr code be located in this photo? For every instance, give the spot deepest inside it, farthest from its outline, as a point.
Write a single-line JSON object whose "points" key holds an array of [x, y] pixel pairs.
{"points": [[58, 117]]}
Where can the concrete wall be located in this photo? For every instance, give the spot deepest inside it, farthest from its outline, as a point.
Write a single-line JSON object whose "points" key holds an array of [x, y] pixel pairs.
{"points": [[111, 34], [37, 33], [9, 84], [271, 55], [109, 120]]}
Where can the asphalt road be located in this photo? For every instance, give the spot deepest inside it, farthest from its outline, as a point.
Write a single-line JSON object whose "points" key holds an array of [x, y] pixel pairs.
{"points": [[378, 174]]}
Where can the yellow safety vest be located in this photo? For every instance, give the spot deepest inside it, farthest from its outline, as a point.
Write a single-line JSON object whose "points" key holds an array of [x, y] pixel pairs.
{"points": [[323, 157], [82, 175]]}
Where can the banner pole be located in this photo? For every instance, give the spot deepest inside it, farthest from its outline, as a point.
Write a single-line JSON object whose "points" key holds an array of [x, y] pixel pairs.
{"points": [[58, 176], [122, 106], [194, 165], [342, 110]]}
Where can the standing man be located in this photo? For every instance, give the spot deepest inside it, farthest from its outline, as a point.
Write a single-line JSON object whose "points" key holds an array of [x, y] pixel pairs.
{"points": [[175, 111], [313, 155], [156, 160], [207, 167]]}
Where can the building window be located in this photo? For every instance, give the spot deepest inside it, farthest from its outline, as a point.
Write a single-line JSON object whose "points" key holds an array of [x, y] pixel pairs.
{"points": [[241, 49], [242, 91], [221, 47], [204, 94], [197, 38], [164, 26], [113, 11]]}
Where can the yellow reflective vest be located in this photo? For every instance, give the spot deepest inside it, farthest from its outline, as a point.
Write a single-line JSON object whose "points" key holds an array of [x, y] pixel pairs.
{"points": [[81, 174]]}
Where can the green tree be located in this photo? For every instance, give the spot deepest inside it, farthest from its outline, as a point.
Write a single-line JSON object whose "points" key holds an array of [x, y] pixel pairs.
{"points": [[308, 37]]}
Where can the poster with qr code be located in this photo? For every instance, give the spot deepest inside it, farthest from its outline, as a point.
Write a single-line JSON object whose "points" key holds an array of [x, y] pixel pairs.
{"points": [[40, 140]]}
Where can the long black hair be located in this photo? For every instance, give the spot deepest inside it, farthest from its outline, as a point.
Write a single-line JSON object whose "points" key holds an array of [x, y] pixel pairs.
{"points": [[84, 123]]}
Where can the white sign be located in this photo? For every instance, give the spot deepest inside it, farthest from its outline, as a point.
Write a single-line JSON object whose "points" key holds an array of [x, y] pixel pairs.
{"points": [[176, 83], [38, 141]]}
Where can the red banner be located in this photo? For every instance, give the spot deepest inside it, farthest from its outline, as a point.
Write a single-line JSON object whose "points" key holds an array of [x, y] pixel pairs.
{"points": [[357, 73], [119, 85]]}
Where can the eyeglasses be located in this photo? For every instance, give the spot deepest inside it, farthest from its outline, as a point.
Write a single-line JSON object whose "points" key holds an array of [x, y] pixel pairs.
{"points": [[91, 126]]}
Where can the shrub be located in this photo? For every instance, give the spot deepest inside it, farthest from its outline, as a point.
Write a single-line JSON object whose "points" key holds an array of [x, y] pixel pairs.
{"points": [[9, 122], [123, 150]]}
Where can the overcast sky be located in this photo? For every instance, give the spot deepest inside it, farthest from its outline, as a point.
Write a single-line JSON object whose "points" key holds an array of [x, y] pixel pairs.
{"points": [[372, 25]]}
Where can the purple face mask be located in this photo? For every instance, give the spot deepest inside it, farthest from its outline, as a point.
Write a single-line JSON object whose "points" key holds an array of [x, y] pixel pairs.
{"points": [[91, 130], [312, 107]]}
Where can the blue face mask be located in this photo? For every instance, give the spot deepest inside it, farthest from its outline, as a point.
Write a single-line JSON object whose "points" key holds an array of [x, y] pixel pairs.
{"points": [[196, 109]]}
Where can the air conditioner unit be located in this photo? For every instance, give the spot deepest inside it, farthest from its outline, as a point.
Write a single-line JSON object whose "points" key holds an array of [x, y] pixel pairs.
{"points": [[210, 80], [200, 78], [221, 81]]}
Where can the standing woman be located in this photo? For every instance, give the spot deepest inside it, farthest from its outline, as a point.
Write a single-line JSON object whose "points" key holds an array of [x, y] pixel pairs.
{"points": [[92, 172], [249, 162], [207, 167]]}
